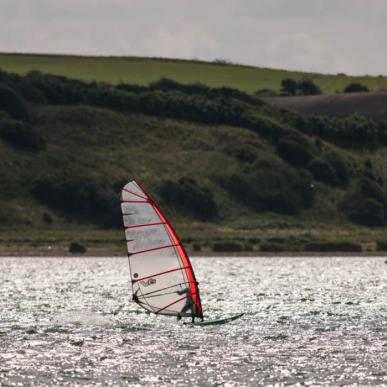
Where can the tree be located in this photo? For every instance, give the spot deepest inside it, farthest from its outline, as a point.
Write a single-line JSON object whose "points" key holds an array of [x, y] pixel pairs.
{"points": [[289, 86], [355, 87], [308, 87]]}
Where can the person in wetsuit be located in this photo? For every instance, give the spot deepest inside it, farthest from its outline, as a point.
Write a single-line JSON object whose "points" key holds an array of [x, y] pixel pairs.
{"points": [[189, 304]]}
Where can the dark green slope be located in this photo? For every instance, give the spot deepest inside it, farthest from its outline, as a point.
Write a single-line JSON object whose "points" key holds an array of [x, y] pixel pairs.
{"points": [[231, 172]]}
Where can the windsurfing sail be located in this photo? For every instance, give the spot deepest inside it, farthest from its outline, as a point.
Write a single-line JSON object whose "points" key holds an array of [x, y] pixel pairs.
{"points": [[163, 281]]}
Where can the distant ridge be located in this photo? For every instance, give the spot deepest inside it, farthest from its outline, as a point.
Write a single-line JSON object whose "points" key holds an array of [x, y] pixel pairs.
{"points": [[144, 70]]}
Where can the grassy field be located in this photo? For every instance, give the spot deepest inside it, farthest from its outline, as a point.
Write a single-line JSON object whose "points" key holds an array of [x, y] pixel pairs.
{"points": [[143, 71]]}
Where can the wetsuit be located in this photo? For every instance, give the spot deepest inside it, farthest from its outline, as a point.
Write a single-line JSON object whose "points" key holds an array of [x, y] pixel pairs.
{"points": [[189, 304]]}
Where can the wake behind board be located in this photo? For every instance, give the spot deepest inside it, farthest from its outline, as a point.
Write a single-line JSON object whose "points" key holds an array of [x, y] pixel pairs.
{"points": [[215, 322]]}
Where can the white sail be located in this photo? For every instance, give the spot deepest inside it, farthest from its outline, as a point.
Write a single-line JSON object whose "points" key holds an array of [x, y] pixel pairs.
{"points": [[161, 273]]}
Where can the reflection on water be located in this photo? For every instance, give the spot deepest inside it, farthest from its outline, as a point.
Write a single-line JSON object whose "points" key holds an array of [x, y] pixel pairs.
{"points": [[70, 321]]}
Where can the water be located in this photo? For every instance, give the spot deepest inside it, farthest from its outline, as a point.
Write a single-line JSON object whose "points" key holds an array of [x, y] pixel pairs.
{"points": [[309, 321]]}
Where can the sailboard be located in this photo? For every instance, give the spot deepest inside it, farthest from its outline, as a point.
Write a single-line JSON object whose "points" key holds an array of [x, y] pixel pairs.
{"points": [[215, 322], [163, 281]]}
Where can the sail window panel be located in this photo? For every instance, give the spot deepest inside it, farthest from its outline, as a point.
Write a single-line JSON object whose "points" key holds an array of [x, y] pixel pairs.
{"points": [[135, 214], [147, 238], [172, 310], [156, 301], [132, 197], [154, 262], [168, 284], [133, 187]]}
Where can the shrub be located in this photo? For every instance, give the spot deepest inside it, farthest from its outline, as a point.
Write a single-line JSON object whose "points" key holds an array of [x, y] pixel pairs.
{"points": [[167, 85], [131, 88], [372, 190], [339, 166], [381, 245], [21, 135], [322, 170], [272, 247], [294, 153], [343, 246], [189, 198], [77, 248], [289, 86], [362, 210], [308, 87], [196, 247], [12, 104], [228, 246], [244, 153], [274, 188], [355, 87], [30, 92], [80, 195]]}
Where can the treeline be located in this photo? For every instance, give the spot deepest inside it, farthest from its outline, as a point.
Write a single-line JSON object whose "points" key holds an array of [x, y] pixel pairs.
{"points": [[290, 86], [351, 131], [194, 102]]}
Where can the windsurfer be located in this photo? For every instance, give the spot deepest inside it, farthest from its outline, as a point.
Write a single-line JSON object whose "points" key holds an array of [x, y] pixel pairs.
{"points": [[189, 304], [135, 297]]}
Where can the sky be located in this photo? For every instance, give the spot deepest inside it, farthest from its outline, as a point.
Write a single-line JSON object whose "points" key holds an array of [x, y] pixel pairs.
{"points": [[328, 36]]}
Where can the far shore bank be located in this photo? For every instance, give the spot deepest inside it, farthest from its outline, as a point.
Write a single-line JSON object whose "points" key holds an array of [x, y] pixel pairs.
{"points": [[104, 253]]}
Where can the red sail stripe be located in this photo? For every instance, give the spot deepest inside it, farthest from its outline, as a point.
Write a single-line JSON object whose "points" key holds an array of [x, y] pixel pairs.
{"points": [[133, 193], [155, 248], [157, 274], [133, 201], [144, 225], [172, 303]]}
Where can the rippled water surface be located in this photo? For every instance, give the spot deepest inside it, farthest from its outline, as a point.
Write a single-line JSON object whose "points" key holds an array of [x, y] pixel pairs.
{"points": [[311, 321]]}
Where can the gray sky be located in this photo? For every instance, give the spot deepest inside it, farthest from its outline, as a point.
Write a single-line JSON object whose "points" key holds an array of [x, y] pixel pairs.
{"points": [[312, 35]]}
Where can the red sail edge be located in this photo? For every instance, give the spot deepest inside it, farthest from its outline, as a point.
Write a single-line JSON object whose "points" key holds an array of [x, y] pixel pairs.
{"points": [[193, 284]]}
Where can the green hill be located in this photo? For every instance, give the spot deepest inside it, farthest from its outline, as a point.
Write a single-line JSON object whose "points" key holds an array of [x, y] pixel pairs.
{"points": [[143, 71], [231, 172]]}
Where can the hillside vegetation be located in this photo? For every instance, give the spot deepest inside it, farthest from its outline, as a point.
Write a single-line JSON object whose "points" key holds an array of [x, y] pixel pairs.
{"points": [[143, 71], [231, 172]]}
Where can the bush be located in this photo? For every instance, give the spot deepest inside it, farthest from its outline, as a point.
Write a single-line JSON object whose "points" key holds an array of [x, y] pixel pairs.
{"points": [[11, 103], [355, 88], [244, 153], [362, 210], [294, 153], [196, 247], [289, 86], [80, 195], [343, 246], [77, 248], [274, 188], [322, 170], [272, 247], [189, 198], [21, 135], [381, 245], [372, 190], [228, 247], [339, 166], [308, 87], [30, 92], [167, 85]]}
